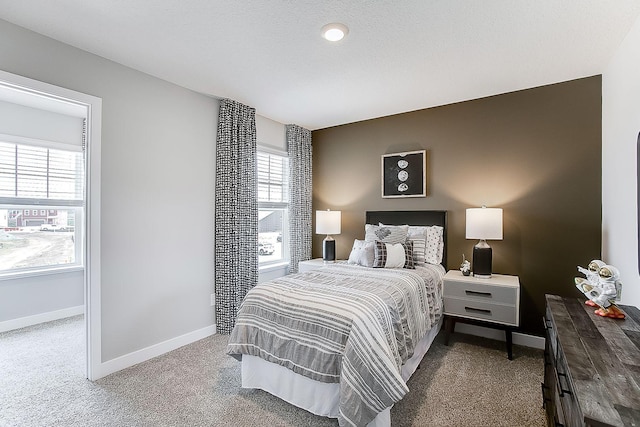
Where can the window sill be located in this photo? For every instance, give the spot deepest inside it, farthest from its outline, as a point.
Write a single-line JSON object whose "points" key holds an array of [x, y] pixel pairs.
{"points": [[273, 267], [40, 272]]}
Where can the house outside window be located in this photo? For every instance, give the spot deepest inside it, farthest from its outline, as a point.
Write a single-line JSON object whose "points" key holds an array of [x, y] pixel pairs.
{"points": [[273, 203], [52, 180]]}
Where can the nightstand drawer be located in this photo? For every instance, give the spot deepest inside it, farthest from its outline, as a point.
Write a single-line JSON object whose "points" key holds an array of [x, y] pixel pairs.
{"points": [[481, 310], [481, 292]]}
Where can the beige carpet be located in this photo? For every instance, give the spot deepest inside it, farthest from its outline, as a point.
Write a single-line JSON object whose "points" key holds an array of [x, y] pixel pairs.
{"points": [[469, 383]]}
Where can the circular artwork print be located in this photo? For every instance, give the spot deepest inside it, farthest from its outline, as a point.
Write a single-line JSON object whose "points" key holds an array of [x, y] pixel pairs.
{"points": [[403, 187], [402, 164], [403, 175]]}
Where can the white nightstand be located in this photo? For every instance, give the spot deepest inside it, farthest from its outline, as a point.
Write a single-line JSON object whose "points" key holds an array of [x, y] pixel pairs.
{"points": [[310, 264], [493, 302]]}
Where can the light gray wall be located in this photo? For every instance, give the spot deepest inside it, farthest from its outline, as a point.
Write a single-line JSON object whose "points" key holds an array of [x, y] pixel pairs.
{"points": [[30, 296], [620, 128], [270, 134], [158, 143], [19, 120]]}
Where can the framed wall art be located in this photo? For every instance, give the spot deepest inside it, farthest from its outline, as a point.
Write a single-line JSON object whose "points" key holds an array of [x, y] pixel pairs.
{"points": [[404, 174]]}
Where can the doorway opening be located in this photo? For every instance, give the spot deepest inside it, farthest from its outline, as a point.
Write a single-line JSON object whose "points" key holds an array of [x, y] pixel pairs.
{"points": [[50, 208]]}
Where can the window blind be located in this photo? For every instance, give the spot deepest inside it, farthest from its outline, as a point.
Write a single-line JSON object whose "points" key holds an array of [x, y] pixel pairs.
{"points": [[32, 175], [272, 179]]}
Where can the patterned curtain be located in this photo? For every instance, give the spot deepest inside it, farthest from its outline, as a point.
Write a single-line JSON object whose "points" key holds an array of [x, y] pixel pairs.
{"points": [[300, 195], [236, 211]]}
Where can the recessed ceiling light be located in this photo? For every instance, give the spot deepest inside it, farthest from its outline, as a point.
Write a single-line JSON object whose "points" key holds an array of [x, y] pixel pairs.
{"points": [[334, 32]]}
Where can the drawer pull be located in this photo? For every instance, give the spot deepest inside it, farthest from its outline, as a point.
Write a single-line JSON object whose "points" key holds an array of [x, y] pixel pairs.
{"points": [[545, 399], [557, 423], [478, 310], [478, 294], [547, 323], [562, 389]]}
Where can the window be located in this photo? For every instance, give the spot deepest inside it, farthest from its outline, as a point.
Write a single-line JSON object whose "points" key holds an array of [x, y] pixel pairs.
{"points": [[52, 180], [273, 201]]}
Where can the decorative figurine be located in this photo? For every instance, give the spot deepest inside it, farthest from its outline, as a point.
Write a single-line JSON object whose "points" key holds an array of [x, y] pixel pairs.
{"points": [[465, 267], [591, 272], [602, 286]]}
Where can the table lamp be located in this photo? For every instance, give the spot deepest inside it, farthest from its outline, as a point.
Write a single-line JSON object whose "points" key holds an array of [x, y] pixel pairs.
{"points": [[328, 222], [485, 224]]}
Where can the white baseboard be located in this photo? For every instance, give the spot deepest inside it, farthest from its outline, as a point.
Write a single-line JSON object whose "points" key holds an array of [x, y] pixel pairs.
{"points": [[23, 322], [497, 334], [142, 355]]}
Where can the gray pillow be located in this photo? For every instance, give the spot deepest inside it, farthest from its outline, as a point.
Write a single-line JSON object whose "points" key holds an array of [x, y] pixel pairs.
{"points": [[386, 233], [362, 253]]}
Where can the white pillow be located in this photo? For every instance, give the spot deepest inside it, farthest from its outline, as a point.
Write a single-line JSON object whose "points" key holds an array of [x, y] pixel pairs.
{"points": [[386, 233], [435, 245], [362, 253]]}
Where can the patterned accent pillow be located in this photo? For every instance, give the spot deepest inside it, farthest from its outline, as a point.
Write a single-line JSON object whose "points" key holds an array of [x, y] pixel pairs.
{"points": [[418, 235], [362, 253], [393, 255], [428, 243], [435, 245], [386, 233]]}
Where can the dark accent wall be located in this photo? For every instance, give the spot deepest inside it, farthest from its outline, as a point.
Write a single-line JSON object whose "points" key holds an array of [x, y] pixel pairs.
{"points": [[535, 153]]}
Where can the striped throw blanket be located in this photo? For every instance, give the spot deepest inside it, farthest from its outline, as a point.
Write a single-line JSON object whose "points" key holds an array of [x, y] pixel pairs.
{"points": [[343, 324]]}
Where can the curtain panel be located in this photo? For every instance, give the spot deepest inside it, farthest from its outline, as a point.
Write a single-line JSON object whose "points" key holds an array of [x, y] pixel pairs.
{"points": [[236, 211], [300, 195]]}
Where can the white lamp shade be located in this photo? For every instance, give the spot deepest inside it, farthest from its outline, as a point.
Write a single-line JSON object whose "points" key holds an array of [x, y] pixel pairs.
{"points": [[328, 222], [484, 223]]}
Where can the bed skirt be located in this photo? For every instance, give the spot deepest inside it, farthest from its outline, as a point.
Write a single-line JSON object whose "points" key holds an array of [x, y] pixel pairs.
{"points": [[317, 397]]}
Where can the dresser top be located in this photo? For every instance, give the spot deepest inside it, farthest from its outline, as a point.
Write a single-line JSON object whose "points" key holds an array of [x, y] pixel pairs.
{"points": [[603, 359]]}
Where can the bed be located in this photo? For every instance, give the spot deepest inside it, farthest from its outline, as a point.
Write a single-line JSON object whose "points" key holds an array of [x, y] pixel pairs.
{"points": [[342, 341]]}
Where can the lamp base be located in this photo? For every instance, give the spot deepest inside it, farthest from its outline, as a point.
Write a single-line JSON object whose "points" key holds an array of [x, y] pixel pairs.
{"points": [[482, 260], [329, 249]]}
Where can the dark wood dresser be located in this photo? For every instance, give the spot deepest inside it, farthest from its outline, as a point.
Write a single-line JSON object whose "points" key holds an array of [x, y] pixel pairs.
{"points": [[592, 365]]}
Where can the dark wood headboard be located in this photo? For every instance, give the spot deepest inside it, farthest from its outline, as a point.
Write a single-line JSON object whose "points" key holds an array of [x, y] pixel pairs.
{"points": [[412, 218]]}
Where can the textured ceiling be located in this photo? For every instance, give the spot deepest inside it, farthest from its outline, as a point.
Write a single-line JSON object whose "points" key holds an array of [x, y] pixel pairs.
{"points": [[399, 55]]}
